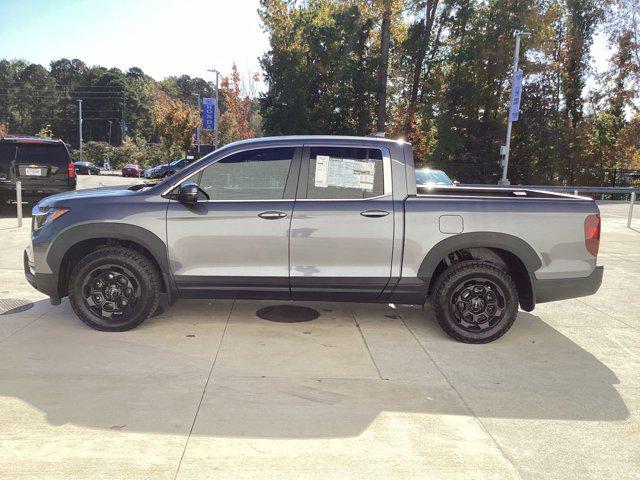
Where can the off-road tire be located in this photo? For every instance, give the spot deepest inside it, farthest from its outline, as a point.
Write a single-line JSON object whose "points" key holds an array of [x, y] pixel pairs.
{"points": [[455, 276], [144, 272]]}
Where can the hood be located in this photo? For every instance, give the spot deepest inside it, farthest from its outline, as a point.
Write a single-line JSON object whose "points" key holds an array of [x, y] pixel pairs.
{"points": [[90, 193]]}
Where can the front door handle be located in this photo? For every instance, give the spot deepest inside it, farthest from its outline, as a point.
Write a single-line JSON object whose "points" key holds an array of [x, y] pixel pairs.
{"points": [[272, 215], [374, 213]]}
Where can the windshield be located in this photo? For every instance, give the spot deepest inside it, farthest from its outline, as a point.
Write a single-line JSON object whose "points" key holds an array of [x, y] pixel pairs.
{"points": [[437, 177]]}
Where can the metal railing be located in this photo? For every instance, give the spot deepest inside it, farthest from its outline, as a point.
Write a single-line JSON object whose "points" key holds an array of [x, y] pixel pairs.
{"points": [[631, 191]]}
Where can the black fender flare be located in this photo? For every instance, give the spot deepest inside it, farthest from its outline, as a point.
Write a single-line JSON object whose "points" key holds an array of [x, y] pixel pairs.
{"points": [[73, 235], [510, 243]]}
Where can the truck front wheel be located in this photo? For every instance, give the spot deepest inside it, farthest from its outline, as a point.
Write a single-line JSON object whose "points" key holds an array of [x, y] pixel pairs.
{"points": [[475, 301], [114, 289]]}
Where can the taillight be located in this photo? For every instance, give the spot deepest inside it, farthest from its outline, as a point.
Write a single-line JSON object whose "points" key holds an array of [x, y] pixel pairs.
{"points": [[592, 234], [72, 170]]}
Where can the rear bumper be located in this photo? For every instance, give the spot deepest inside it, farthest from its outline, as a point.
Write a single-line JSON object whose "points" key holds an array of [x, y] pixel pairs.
{"points": [[564, 288], [8, 191]]}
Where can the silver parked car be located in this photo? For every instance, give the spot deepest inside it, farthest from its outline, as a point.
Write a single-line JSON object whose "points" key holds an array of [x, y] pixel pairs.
{"points": [[428, 177]]}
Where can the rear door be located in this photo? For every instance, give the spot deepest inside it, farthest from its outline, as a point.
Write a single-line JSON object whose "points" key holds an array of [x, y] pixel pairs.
{"points": [[343, 224], [235, 244], [42, 164]]}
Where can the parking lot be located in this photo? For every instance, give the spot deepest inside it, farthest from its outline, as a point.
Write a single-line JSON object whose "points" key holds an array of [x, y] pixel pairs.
{"points": [[210, 390]]}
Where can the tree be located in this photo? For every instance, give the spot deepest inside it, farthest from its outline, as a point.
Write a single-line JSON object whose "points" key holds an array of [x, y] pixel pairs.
{"points": [[175, 122], [581, 18], [45, 132], [317, 67], [235, 123], [383, 67], [420, 40]]}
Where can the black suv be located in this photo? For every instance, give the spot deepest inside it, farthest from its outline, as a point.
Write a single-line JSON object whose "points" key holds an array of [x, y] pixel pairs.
{"points": [[43, 166]]}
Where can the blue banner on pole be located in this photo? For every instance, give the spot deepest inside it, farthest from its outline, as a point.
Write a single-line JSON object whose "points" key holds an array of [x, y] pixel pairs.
{"points": [[516, 92], [209, 113]]}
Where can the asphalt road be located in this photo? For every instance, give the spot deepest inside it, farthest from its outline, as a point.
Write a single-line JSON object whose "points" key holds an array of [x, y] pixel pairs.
{"points": [[210, 390]]}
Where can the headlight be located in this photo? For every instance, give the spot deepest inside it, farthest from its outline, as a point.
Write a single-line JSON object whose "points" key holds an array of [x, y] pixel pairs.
{"points": [[43, 215]]}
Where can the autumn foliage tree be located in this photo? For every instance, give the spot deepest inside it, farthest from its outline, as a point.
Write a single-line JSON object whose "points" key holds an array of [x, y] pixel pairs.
{"points": [[441, 71], [235, 122], [176, 123]]}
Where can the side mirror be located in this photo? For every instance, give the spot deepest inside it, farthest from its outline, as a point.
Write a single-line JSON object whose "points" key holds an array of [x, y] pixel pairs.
{"points": [[188, 193], [456, 182]]}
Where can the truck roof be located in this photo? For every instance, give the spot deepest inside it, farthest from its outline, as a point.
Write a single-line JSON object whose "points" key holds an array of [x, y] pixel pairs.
{"points": [[329, 139]]}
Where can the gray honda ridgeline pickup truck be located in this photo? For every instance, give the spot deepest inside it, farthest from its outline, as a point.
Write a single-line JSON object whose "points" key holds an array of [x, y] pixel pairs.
{"points": [[313, 218]]}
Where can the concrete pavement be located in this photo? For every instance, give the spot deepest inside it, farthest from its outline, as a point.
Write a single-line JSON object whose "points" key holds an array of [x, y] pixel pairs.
{"points": [[209, 390]]}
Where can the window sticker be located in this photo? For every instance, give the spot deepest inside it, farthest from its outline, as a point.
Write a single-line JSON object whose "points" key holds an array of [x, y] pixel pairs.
{"points": [[344, 173], [322, 171]]}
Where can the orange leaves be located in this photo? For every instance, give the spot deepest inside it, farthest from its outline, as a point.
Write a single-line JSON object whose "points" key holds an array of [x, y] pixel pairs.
{"points": [[235, 122], [175, 121]]}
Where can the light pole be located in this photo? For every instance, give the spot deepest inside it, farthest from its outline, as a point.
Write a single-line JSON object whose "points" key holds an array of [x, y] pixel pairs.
{"points": [[80, 127], [215, 141], [110, 124], [507, 145], [198, 128]]}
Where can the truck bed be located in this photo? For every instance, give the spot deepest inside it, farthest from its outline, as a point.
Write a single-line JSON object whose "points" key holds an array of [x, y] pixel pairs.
{"points": [[489, 191]]}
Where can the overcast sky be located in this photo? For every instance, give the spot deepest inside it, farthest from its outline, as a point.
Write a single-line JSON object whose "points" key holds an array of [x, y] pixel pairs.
{"points": [[163, 37]]}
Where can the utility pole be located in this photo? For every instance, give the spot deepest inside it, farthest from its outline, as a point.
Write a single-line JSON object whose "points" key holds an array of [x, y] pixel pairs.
{"points": [[123, 125], [507, 145], [215, 130], [110, 124], [80, 127]]}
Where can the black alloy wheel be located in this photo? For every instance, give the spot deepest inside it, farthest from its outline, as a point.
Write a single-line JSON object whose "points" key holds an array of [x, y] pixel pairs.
{"points": [[475, 301], [114, 288], [477, 304], [111, 292]]}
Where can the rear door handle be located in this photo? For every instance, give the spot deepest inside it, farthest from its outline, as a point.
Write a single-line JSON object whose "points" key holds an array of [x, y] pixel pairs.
{"points": [[374, 213], [272, 215]]}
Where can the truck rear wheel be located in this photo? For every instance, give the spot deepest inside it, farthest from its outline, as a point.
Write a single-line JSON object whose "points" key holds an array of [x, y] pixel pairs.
{"points": [[475, 301], [114, 289]]}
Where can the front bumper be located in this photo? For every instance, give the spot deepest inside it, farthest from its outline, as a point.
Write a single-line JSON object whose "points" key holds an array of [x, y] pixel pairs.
{"points": [[46, 283], [564, 288]]}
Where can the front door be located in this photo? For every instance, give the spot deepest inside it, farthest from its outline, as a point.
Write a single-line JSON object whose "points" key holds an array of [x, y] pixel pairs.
{"points": [[342, 226], [234, 244]]}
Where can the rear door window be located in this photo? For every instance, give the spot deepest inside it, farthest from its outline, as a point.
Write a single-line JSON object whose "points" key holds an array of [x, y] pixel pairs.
{"points": [[55, 155], [7, 156], [346, 173]]}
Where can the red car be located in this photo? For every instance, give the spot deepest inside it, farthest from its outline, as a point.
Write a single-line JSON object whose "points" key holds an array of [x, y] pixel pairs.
{"points": [[131, 170]]}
